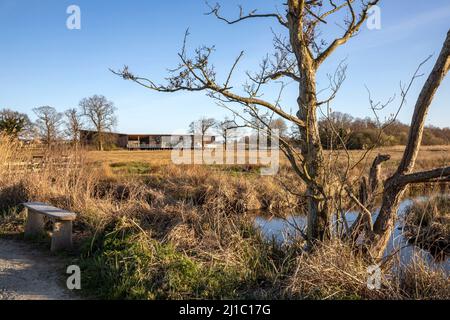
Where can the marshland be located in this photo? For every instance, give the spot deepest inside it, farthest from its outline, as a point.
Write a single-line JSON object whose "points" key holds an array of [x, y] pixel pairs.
{"points": [[347, 99], [149, 229]]}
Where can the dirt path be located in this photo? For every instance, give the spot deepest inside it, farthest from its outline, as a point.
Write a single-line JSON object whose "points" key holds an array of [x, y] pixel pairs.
{"points": [[30, 274]]}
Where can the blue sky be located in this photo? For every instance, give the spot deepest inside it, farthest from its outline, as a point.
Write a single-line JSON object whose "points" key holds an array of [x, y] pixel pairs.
{"points": [[44, 63]]}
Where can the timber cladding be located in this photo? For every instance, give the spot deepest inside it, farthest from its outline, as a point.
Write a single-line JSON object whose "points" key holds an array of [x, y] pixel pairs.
{"points": [[142, 141]]}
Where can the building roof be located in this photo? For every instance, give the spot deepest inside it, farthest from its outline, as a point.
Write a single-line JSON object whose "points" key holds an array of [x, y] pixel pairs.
{"points": [[147, 134]]}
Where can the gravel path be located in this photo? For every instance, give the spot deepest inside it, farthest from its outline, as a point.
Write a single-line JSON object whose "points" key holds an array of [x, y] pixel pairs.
{"points": [[30, 274]]}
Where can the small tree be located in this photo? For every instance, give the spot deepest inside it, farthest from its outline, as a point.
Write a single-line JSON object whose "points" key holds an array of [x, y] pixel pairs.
{"points": [[100, 114], [201, 127], [280, 125], [73, 124], [48, 124], [224, 127], [13, 123]]}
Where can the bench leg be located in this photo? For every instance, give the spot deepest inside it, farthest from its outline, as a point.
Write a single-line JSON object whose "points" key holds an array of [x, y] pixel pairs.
{"points": [[62, 236], [35, 223]]}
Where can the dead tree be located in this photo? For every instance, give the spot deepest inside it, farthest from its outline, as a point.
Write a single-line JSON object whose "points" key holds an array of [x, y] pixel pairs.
{"points": [[375, 172], [74, 124], [201, 127], [48, 124], [224, 127], [366, 198], [395, 185], [298, 57]]}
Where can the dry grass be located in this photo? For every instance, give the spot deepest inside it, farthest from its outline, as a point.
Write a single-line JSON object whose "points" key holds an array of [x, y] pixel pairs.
{"points": [[429, 156], [333, 271], [428, 224], [160, 231], [420, 282]]}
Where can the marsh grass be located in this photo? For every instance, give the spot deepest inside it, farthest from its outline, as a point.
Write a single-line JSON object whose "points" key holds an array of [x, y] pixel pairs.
{"points": [[160, 231], [420, 282], [131, 168], [428, 224]]}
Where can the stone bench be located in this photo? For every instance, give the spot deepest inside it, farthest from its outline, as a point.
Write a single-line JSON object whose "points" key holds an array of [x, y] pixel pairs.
{"points": [[62, 224]]}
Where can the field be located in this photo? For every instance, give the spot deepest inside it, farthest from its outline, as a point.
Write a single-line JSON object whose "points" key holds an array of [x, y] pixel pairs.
{"points": [[427, 154], [429, 157]]}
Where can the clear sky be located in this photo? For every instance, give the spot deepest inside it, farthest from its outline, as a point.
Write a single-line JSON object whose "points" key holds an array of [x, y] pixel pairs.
{"points": [[44, 63]]}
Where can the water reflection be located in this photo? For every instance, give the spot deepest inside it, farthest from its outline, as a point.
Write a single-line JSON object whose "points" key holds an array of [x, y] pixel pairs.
{"points": [[284, 230]]}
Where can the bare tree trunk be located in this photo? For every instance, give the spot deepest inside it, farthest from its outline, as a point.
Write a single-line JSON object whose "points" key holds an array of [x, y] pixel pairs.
{"points": [[225, 138], [100, 140], [396, 185], [203, 141], [318, 211], [375, 178], [366, 198], [311, 147]]}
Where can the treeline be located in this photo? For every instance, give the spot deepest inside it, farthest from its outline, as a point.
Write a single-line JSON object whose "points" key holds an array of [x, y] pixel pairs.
{"points": [[96, 113], [51, 126], [355, 133]]}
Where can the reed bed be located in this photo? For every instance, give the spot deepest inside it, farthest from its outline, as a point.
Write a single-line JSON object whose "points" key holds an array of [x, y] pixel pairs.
{"points": [[160, 231]]}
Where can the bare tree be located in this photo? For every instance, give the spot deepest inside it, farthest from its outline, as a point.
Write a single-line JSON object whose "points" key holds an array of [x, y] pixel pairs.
{"points": [[225, 127], [100, 114], [48, 124], [280, 125], [395, 185], [298, 57], [74, 125], [201, 127]]}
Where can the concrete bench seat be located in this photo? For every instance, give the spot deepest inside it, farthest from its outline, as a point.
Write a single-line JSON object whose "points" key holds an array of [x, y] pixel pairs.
{"points": [[62, 223]]}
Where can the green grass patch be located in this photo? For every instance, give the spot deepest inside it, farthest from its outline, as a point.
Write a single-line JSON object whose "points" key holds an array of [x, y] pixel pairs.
{"points": [[132, 168], [125, 265]]}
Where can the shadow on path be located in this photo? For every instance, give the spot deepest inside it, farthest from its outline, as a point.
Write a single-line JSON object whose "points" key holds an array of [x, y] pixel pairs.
{"points": [[27, 273]]}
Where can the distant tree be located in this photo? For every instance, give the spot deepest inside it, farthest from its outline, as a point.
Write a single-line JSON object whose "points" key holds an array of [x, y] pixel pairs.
{"points": [[100, 114], [259, 122], [335, 130], [13, 123], [73, 125], [280, 125], [294, 133], [225, 127], [48, 124], [201, 127]]}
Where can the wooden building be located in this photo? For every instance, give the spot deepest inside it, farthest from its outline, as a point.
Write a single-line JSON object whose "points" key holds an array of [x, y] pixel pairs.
{"points": [[145, 141]]}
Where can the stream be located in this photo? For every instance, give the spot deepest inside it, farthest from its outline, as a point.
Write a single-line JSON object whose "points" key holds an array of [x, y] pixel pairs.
{"points": [[282, 230]]}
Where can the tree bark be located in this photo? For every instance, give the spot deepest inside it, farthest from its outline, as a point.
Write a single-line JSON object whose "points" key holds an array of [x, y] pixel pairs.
{"points": [[366, 198], [396, 185], [375, 178], [311, 147]]}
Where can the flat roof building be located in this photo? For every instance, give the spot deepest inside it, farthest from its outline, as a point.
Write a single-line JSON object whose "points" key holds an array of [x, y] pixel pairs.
{"points": [[146, 141]]}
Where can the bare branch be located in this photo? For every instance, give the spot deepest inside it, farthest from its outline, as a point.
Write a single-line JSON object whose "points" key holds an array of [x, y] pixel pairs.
{"points": [[367, 214], [198, 75], [352, 28], [215, 10], [423, 103], [434, 175]]}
